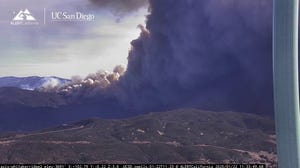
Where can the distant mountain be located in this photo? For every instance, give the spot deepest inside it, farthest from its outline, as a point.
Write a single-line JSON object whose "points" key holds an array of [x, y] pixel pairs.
{"points": [[179, 136], [31, 83]]}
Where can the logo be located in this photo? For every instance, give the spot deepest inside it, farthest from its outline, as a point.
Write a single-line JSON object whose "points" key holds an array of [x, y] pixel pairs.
{"points": [[67, 16], [24, 17]]}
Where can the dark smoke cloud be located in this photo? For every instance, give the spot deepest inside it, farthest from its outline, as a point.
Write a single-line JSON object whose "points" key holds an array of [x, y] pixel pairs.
{"points": [[211, 54], [120, 7]]}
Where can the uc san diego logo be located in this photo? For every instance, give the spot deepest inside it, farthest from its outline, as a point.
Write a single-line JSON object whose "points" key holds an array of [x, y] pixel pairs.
{"points": [[24, 17]]}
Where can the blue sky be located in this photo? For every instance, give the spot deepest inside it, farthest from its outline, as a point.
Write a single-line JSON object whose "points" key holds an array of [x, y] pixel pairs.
{"points": [[65, 49]]}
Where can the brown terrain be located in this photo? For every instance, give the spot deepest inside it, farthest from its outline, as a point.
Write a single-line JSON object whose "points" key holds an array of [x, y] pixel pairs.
{"points": [[179, 136]]}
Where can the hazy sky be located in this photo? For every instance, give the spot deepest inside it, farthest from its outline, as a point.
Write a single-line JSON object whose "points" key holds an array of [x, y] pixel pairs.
{"points": [[67, 48]]}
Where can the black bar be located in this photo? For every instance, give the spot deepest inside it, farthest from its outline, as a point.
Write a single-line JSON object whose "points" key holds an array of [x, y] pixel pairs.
{"points": [[132, 166]]}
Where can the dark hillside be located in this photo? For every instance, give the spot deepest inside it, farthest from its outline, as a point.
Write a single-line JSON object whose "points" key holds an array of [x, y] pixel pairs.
{"points": [[185, 136]]}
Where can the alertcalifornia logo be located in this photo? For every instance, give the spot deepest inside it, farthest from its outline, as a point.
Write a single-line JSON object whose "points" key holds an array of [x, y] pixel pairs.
{"points": [[24, 17]]}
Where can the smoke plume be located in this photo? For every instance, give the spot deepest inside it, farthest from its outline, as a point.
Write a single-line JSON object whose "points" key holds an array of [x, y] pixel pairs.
{"points": [[211, 54]]}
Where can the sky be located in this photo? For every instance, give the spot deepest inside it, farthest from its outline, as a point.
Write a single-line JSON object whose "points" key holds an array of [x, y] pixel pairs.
{"points": [[67, 48]]}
